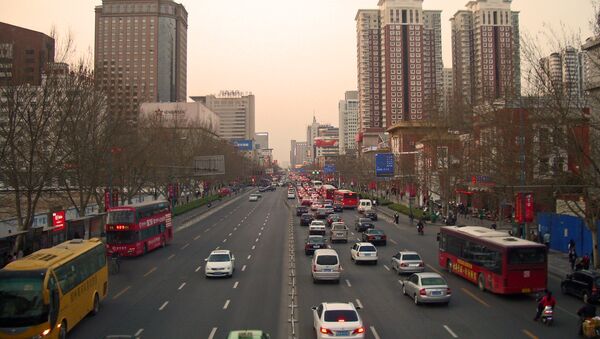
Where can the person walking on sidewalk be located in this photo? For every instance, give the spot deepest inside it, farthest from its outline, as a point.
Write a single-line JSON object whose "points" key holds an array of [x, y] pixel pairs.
{"points": [[571, 245], [547, 240], [396, 218], [572, 257]]}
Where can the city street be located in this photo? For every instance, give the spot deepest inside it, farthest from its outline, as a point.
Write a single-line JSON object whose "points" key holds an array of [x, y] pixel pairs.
{"points": [[165, 293]]}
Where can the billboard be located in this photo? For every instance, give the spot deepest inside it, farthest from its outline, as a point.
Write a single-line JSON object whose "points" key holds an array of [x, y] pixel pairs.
{"points": [[524, 200], [209, 165], [384, 164], [329, 169], [243, 145], [321, 142]]}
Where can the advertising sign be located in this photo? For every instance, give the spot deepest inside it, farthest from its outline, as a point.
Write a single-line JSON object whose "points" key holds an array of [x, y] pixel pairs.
{"points": [[384, 164], [524, 208], [107, 202], [243, 145], [329, 169], [321, 142], [58, 220]]}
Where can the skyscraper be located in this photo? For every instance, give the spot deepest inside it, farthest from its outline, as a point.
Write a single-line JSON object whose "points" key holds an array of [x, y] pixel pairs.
{"points": [[485, 52], [236, 111], [565, 71], [298, 153], [369, 70], [261, 140], [348, 115], [140, 53], [448, 91], [24, 55]]}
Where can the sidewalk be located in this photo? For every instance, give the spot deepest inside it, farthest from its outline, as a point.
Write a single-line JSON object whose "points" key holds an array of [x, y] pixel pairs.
{"points": [[558, 262]]}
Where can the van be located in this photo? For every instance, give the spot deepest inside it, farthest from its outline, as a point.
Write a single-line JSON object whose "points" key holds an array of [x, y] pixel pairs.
{"points": [[339, 232], [364, 205], [326, 265]]}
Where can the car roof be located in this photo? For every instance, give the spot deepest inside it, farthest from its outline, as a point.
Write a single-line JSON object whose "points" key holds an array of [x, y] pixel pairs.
{"points": [[407, 252], [365, 244], [325, 251], [429, 275], [328, 306], [364, 220], [221, 252]]}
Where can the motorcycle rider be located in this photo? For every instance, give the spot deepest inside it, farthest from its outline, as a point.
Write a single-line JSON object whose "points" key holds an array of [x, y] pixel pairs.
{"points": [[420, 226], [546, 300], [587, 311]]}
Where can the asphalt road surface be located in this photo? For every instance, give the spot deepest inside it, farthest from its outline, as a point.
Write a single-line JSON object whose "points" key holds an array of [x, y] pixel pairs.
{"points": [[165, 294]]}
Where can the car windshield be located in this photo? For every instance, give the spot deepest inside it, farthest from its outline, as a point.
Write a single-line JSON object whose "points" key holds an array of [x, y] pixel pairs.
{"points": [[526, 255], [411, 257], [218, 258], [339, 227], [432, 281], [306, 215], [376, 232], [334, 216], [340, 316], [321, 211], [21, 299], [120, 217], [364, 220], [367, 249], [121, 237], [327, 260], [316, 240]]}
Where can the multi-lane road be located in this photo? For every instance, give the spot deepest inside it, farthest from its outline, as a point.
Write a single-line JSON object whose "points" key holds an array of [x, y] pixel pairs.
{"points": [[165, 294]]}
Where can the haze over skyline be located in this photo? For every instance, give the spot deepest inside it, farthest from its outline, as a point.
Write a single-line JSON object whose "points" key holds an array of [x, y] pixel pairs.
{"points": [[295, 57]]}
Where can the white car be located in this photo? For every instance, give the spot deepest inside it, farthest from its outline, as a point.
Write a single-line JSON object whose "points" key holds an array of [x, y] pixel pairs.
{"points": [[253, 197], [407, 262], [363, 252], [220, 263], [337, 320], [291, 195]]}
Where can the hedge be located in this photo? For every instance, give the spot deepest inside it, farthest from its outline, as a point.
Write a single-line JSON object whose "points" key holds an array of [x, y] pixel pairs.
{"points": [[181, 209]]}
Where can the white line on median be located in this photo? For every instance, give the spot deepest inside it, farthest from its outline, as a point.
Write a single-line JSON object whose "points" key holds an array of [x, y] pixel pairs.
{"points": [[243, 268], [225, 240], [256, 240], [185, 246], [230, 234], [387, 268], [359, 303], [253, 246], [163, 306], [348, 283], [212, 333], [236, 284], [198, 268], [137, 334], [226, 304], [450, 331], [249, 256], [197, 237], [375, 334], [180, 287]]}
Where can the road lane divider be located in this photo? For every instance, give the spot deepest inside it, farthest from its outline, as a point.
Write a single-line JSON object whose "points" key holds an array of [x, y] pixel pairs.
{"points": [[163, 306], [256, 240], [348, 283], [122, 292], [243, 268], [249, 256], [529, 334], [185, 246], [450, 331], [374, 332], [236, 284], [137, 334], [434, 269], [476, 298], [359, 303], [230, 234], [212, 333], [181, 286], [197, 237], [171, 257], [198, 268], [225, 240], [387, 268], [253, 247], [150, 271], [393, 241], [226, 304]]}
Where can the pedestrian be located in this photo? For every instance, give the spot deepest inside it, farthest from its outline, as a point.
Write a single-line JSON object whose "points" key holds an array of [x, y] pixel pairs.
{"points": [[572, 258], [571, 245], [411, 216], [493, 226], [585, 262], [396, 218], [547, 240], [587, 311]]}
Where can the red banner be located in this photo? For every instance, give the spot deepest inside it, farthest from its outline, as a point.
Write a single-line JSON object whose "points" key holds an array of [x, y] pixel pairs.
{"points": [[58, 221], [107, 202], [524, 207], [326, 142]]}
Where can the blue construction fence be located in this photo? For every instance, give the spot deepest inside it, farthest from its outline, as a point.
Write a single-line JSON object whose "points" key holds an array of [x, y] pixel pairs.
{"points": [[563, 228]]}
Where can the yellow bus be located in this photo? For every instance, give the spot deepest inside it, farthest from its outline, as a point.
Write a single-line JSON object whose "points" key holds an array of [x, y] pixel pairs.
{"points": [[45, 294]]}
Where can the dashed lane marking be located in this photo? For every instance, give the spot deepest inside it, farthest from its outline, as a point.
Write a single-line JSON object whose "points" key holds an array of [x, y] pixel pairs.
{"points": [[198, 268], [375, 334], [150, 272], [249, 256], [163, 306], [529, 334], [348, 283], [171, 257], [253, 246], [197, 237], [450, 331], [359, 303], [387, 268], [230, 234], [212, 333], [393, 241], [256, 240], [236, 284], [434, 269], [243, 268], [121, 293], [225, 240], [226, 304], [216, 248], [185, 246], [469, 293], [181, 286], [137, 334]]}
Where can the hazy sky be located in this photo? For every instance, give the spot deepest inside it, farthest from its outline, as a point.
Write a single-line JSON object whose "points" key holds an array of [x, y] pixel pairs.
{"points": [[297, 57]]}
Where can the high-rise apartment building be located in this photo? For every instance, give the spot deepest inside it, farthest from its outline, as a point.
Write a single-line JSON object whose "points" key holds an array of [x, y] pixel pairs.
{"points": [[312, 131], [236, 112], [24, 55], [348, 115], [564, 70], [298, 153], [448, 91], [485, 52], [140, 53], [261, 140], [368, 37]]}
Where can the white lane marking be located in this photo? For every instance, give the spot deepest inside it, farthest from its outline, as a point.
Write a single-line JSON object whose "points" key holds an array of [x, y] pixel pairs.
{"points": [[359, 239], [180, 287], [359, 303], [197, 237], [256, 240], [185, 246], [253, 246], [163, 306], [259, 234], [352, 233], [348, 283], [212, 333], [243, 268], [249, 256], [387, 268], [171, 257], [198, 268], [137, 334], [236, 284], [450, 331], [230, 234], [206, 230], [226, 304], [262, 228], [375, 334], [239, 224], [216, 248], [235, 229], [394, 241], [225, 240]]}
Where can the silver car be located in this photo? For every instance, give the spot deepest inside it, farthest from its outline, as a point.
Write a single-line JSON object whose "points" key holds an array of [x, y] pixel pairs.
{"points": [[339, 232], [426, 287], [407, 262]]}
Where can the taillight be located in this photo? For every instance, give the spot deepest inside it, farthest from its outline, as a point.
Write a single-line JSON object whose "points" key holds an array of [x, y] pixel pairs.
{"points": [[448, 291], [359, 330], [421, 265], [384, 237], [422, 292], [314, 268], [325, 330], [404, 264]]}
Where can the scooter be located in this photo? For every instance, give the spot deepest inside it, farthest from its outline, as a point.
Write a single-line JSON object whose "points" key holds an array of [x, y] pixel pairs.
{"points": [[420, 229], [547, 315]]}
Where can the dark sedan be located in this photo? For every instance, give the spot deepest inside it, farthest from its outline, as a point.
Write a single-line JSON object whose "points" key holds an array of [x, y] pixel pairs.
{"points": [[363, 224], [375, 237], [322, 213], [583, 284], [333, 218], [371, 215], [306, 219], [338, 208], [301, 210], [314, 242]]}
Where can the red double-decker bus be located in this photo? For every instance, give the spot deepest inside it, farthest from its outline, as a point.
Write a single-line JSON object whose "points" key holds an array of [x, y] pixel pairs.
{"points": [[327, 191], [133, 230], [493, 260], [346, 198]]}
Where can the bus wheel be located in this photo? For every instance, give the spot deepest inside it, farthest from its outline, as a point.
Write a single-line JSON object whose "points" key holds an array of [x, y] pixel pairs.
{"points": [[62, 333], [481, 282], [96, 307], [449, 266]]}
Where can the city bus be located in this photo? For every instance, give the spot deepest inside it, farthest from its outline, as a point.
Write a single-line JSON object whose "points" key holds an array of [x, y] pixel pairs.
{"points": [[136, 229], [46, 294], [493, 260], [327, 191], [346, 198]]}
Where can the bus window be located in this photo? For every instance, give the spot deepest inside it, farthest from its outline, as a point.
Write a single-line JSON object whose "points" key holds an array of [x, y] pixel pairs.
{"points": [[531, 255], [121, 217], [21, 300]]}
